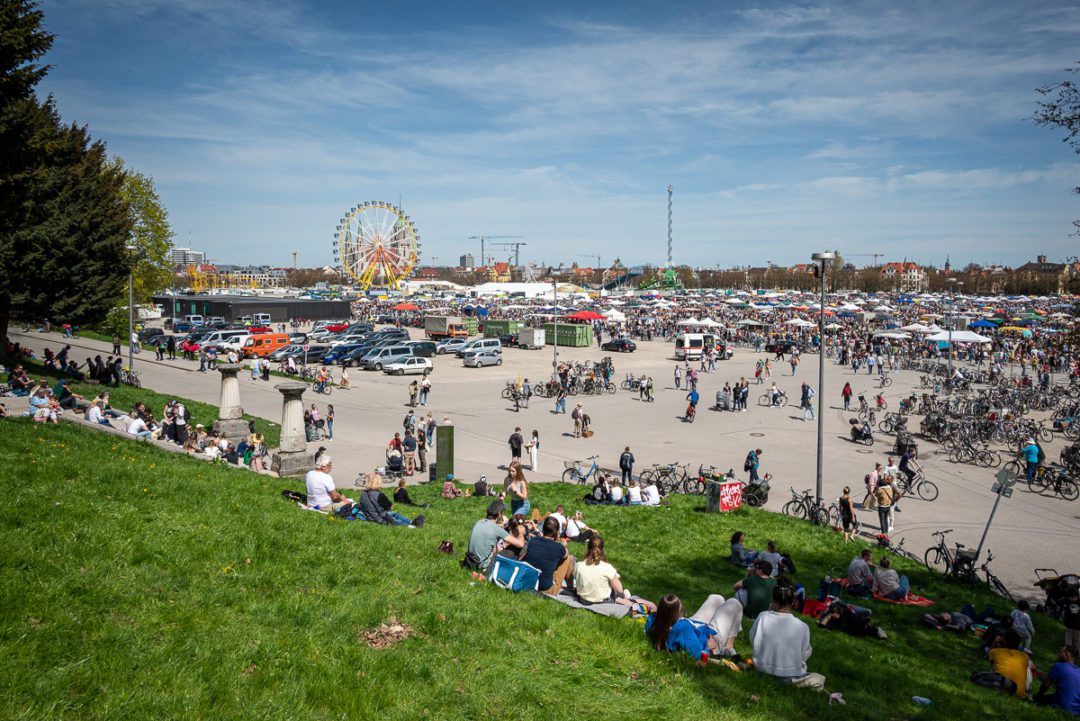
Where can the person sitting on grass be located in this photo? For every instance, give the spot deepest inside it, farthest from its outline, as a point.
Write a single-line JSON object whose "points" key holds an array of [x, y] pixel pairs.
{"points": [[861, 574], [596, 580], [1007, 659], [1064, 678], [402, 498], [577, 531], [781, 642], [888, 583], [322, 495], [711, 630], [650, 494], [773, 556], [377, 508], [94, 414], [137, 427], [740, 554], [20, 382], [755, 591], [485, 536], [550, 557], [450, 490], [517, 528]]}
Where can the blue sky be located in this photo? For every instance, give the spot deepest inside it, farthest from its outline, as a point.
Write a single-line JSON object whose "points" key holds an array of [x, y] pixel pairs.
{"points": [[871, 127]]}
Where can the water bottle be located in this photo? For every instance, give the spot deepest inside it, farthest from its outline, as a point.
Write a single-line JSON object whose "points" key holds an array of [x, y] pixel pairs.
{"points": [[921, 700]]}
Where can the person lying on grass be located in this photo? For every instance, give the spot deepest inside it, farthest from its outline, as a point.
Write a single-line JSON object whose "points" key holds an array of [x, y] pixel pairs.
{"points": [[596, 580], [711, 629], [782, 642], [839, 617], [377, 508]]}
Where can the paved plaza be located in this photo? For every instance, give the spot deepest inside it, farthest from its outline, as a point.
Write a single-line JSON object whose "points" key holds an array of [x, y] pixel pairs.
{"points": [[1029, 530]]}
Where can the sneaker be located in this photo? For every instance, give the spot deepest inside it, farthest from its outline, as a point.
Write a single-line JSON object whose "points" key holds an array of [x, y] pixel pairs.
{"points": [[419, 521], [881, 633]]}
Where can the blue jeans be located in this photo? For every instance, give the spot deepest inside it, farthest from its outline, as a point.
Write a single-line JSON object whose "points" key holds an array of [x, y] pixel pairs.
{"points": [[901, 590], [330, 428], [399, 520], [560, 405], [1029, 471], [521, 507]]}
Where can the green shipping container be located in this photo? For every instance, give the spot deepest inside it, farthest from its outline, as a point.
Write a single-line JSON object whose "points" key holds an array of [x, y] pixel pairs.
{"points": [[470, 324], [497, 327], [572, 335]]}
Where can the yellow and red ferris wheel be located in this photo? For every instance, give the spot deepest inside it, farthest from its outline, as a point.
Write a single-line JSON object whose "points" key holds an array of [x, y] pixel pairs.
{"points": [[377, 244]]}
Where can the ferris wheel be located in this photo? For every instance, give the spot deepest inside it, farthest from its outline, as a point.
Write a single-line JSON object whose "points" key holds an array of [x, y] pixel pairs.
{"points": [[377, 244]]}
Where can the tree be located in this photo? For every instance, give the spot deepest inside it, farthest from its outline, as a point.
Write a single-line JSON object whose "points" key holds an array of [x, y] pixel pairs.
{"points": [[1062, 110], [151, 234], [63, 222]]}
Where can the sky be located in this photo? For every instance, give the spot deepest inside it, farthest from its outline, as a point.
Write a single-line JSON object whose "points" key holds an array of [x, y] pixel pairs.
{"points": [[868, 127]]}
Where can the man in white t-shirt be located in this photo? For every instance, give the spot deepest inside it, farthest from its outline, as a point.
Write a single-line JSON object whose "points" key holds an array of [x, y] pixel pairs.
{"points": [[137, 427], [560, 516], [650, 495], [616, 493], [321, 492], [772, 556]]}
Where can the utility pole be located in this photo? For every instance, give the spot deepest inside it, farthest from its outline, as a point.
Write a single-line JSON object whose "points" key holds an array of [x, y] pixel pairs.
{"points": [[670, 190], [824, 259]]}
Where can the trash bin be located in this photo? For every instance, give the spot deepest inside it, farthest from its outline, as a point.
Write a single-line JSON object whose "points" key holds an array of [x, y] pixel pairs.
{"points": [[432, 473]]}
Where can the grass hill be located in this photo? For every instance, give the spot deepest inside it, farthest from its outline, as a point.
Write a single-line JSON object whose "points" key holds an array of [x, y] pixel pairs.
{"points": [[138, 584]]}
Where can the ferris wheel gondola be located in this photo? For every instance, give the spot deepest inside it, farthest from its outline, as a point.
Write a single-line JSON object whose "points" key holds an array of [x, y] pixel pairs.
{"points": [[377, 245]]}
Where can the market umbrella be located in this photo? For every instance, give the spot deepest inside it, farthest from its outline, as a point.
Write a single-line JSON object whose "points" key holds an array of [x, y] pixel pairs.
{"points": [[958, 336], [406, 306], [982, 324], [585, 315]]}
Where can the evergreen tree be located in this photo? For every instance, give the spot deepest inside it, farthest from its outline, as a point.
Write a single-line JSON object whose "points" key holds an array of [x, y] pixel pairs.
{"points": [[63, 221]]}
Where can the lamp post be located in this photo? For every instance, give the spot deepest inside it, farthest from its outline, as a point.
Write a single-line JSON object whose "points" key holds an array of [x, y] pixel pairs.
{"points": [[952, 283], [822, 258], [131, 308], [555, 340]]}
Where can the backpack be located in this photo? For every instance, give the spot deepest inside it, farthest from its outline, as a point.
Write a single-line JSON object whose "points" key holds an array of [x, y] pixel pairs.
{"points": [[749, 462], [295, 496], [1042, 453]]}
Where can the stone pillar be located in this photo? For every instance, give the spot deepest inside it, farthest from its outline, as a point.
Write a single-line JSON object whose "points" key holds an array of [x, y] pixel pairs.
{"points": [[292, 457], [230, 422]]}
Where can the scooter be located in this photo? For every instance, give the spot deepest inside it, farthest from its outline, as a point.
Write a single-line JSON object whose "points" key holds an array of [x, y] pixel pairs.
{"points": [[861, 432]]}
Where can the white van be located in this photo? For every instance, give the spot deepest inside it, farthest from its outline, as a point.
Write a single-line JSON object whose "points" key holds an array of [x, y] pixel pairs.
{"points": [[193, 319], [261, 318], [478, 344], [691, 346], [220, 338]]}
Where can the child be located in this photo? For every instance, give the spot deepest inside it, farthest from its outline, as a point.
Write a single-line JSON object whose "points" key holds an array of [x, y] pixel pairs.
{"points": [[1022, 623], [401, 496]]}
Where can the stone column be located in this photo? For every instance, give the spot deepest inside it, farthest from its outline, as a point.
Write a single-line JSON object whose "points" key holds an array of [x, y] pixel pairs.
{"points": [[292, 457], [230, 421]]}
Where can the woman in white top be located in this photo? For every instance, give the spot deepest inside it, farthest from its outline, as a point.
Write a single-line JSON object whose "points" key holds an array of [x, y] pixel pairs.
{"points": [[650, 495], [596, 580], [534, 451], [634, 493]]}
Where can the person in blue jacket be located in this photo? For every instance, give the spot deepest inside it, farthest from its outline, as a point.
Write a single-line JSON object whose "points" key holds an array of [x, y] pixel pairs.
{"points": [[669, 631], [1031, 455]]}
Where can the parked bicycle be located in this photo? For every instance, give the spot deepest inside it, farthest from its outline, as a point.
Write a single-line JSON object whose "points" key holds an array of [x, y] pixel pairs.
{"points": [[575, 471], [959, 563], [130, 378], [804, 505], [669, 478], [1055, 480], [993, 581]]}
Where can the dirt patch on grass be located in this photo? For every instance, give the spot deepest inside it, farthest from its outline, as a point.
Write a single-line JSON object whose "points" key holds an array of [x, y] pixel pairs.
{"points": [[386, 634]]}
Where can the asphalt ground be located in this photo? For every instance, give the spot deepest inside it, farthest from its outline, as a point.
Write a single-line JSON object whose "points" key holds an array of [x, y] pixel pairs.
{"points": [[1029, 531]]}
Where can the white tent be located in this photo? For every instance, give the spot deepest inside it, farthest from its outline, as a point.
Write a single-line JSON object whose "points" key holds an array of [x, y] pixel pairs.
{"points": [[800, 323], [749, 321], [934, 328], [883, 309], [710, 323], [892, 335], [833, 326], [612, 314], [919, 327], [958, 336]]}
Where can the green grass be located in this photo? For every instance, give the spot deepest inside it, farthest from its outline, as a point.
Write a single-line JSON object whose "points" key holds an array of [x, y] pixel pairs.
{"points": [[124, 397], [136, 584]]}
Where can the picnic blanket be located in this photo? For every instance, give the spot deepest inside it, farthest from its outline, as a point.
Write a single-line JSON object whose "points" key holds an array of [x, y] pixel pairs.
{"points": [[911, 600], [613, 610]]}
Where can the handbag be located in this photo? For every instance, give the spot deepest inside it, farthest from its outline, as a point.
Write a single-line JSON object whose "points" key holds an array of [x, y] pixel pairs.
{"points": [[514, 575], [447, 547]]}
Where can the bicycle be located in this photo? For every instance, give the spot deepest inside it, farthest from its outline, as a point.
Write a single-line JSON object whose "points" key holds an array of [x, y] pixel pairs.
{"points": [[922, 487], [766, 400], [1054, 479], [323, 387], [884, 381], [668, 478], [573, 471], [130, 378], [804, 505], [993, 581], [960, 563]]}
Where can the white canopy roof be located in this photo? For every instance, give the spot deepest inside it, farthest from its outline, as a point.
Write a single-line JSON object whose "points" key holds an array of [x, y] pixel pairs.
{"points": [[958, 336], [915, 327], [800, 323]]}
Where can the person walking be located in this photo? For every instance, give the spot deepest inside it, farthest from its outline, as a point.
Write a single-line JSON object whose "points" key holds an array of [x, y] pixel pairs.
{"points": [[425, 388], [578, 415], [626, 465], [170, 347], [329, 421], [808, 402], [752, 463], [560, 400], [414, 391], [678, 377], [343, 384], [159, 350], [202, 360], [421, 446], [846, 395], [255, 368], [526, 393], [848, 519], [115, 344], [794, 363], [885, 495]]}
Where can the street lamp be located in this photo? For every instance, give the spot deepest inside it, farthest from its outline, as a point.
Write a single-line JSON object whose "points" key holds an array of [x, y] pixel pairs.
{"points": [[822, 258], [555, 340], [132, 248], [952, 283]]}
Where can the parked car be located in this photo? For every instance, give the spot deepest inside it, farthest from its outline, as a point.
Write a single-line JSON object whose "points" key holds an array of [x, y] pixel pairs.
{"points": [[408, 365], [622, 345], [480, 358], [478, 344], [424, 348], [297, 338], [314, 353], [337, 351], [182, 326], [377, 358], [282, 353], [508, 340], [451, 345]]}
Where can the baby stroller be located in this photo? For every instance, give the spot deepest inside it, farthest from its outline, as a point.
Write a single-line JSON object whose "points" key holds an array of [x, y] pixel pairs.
{"points": [[1058, 589], [756, 494], [395, 465]]}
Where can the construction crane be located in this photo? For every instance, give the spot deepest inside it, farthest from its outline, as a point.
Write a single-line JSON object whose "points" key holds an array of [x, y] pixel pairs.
{"points": [[515, 246], [484, 238], [590, 256], [875, 256]]}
